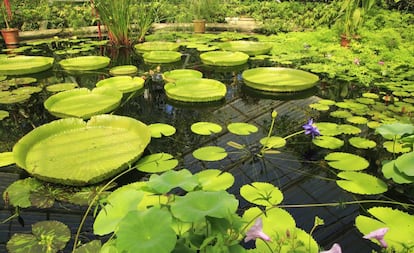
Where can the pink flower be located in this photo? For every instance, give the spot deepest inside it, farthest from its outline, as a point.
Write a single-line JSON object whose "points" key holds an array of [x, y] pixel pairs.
{"points": [[334, 249], [256, 231], [381, 63], [378, 235]]}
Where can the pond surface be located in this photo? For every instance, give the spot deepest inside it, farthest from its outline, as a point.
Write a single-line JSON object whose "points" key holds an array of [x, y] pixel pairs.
{"points": [[297, 170]]}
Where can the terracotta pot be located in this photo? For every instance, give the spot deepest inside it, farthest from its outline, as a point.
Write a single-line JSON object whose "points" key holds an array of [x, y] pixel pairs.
{"points": [[345, 41], [199, 26], [10, 36]]}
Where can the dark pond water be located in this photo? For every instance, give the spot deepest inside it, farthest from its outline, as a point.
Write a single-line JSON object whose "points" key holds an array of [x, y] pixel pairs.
{"points": [[296, 171]]}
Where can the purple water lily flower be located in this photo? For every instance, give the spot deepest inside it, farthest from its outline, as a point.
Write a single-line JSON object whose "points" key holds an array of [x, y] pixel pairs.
{"points": [[256, 231], [378, 235], [336, 248], [310, 128]]}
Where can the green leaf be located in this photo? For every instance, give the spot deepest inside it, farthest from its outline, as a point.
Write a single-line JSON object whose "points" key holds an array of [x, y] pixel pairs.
{"points": [[90, 247], [346, 161], [357, 120], [4, 114], [405, 164], [264, 194], [360, 142], [215, 180], [327, 142], [390, 171], [328, 128], [349, 129], [210, 153], [160, 129], [146, 231], [242, 128], [19, 192], [395, 130], [6, 158], [396, 147], [341, 114], [273, 142], [173, 179], [155, 163], [206, 128], [361, 183], [319, 107]]}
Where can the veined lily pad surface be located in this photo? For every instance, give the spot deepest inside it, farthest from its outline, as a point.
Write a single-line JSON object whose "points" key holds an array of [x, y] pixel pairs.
{"points": [[173, 75], [156, 46], [85, 63], [124, 84], [249, 47], [224, 58], [23, 65], [279, 79], [162, 56], [83, 103], [74, 152], [196, 90]]}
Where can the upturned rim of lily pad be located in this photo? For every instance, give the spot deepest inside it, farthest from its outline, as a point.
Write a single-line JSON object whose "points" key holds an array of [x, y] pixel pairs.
{"points": [[224, 58], [23, 65], [196, 90], [81, 63], [162, 56]]}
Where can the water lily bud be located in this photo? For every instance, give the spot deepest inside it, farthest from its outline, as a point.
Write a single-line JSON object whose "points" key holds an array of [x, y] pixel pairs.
{"points": [[274, 114]]}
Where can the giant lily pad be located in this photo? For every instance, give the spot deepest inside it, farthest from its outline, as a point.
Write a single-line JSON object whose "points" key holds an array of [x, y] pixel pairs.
{"points": [[82, 102], [249, 47], [123, 70], [124, 84], [174, 75], [23, 65], [196, 90], [85, 63], [279, 79], [156, 46], [161, 56], [224, 58], [74, 152]]}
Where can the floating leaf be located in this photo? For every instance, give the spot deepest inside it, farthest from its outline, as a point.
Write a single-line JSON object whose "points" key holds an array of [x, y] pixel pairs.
{"points": [[341, 114], [210, 153], [395, 130], [405, 164], [370, 95], [19, 192], [346, 161], [357, 120], [196, 90], [160, 129], [241, 128], [326, 102], [396, 147], [273, 142], [157, 163], [264, 194], [206, 128], [373, 124], [327, 142], [319, 107], [390, 171], [349, 129], [360, 142], [361, 183], [90, 247], [215, 180], [173, 179], [61, 87], [328, 128], [6, 158]]}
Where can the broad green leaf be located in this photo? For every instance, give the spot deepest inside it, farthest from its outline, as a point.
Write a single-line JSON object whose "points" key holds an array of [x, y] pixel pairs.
{"points": [[242, 128], [90, 247], [160, 129], [146, 231], [395, 130], [370, 95], [366, 101], [327, 142], [326, 102], [373, 124], [273, 142], [19, 192], [361, 183], [396, 147], [357, 120], [391, 172], [259, 193], [328, 128], [173, 179], [195, 206], [215, 180], [341, 114], [4, 114], [155, 163], [360, 142], [346, 161], [405, 164], [206, 128], [319, 107], [6, 158], [210, 153], [349, 129]]}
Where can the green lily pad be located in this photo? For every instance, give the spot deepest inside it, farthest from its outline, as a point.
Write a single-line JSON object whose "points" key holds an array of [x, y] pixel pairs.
{"points": [[162, 56], [360, 142], [6, 158], [224, 58], [241, 128], [27, 90], [325, 141], [85, 63], [249, 47], [370, 95], [156, 46], [14, 98], [83, 103], [273, 142], [159, 130], [210, 153], [4, 114], [328, 128], [341, 114], [196, 90], [206, 128], [349, 129], [155, 163], [361, 183], [124, 84], [391, 172], [396, 147], [346, 161], [395, 130], [48, 236], [89, 247], [174, 75], [279, 79], [263, 194], [319, 107], [173, 179], [215, 180], [61, 87], [23, 65], [123, 70], [357, 120], [404, 164], [94, 150], [19, 192]]}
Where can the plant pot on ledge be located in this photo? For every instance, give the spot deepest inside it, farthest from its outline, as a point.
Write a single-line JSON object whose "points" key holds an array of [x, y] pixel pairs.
{"points": [[199, 25], [10, 36]]}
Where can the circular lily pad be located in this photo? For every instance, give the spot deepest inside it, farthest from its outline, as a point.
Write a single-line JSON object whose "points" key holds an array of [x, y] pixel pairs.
{"points": [[123, 70], [124, 84], [23, 65], [361, 183], [196, 90], [156, 46], [249, 47], [173, 75], [74, 152], [85, 63], [279, 79], [82, 102], [61, 87], [224, 58], [161, 56]]}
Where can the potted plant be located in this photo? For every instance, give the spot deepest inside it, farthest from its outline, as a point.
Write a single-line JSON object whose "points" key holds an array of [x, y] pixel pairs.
{"points": [[10, 35], [202, 11]]}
